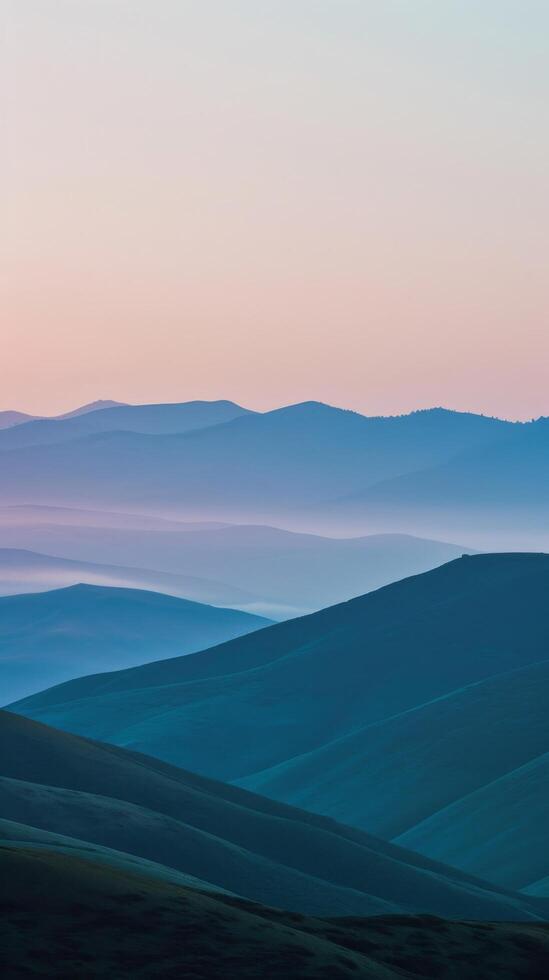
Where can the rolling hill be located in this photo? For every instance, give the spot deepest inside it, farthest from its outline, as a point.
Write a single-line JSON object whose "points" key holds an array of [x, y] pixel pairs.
{"points": [[225, 837], [51, 636], [266, 570], [509, 851], [383, 711], [410, 778], [97, 922]]}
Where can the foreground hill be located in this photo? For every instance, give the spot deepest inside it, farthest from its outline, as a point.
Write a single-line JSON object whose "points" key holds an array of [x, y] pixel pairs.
{"points": [[409, 782], [301, 683], [366, 711], [48, 637], [97, 922], [224, 836]]}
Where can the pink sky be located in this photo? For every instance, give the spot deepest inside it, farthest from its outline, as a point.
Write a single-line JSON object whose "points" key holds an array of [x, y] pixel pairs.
{"points": [[276, 201]]}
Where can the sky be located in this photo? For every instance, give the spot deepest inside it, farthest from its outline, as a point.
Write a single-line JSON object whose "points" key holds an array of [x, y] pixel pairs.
{"points": [[274, 201]]}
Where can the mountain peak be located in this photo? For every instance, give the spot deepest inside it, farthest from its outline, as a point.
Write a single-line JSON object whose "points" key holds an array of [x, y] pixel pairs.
{"points": [[95, 406], [9, 419]]}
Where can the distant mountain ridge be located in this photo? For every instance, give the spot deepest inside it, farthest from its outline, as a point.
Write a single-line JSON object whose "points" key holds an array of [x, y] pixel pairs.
{"points": [[108, 417], [433, 473], [256, 466], [96, 406], [9, 418]]}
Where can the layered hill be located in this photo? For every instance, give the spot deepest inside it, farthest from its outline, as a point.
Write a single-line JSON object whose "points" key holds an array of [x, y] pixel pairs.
{"points": [[499, 830], [11, 418], [433, 473], [96, 406], [112, 417], [462, 778], [384, 712], [23, 571], [259, 465], [497, 493], [222, 836], [49, 515], [262, 569], [51, 636]]}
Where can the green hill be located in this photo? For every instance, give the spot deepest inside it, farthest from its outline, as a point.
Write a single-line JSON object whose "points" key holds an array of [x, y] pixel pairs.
{"points": [[75, 916], [381, 712], [224, 836]]}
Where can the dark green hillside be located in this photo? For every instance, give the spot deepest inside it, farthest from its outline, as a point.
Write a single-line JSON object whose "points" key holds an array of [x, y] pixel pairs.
{"points": [[69, 916], [381, 712], [225, 836]]}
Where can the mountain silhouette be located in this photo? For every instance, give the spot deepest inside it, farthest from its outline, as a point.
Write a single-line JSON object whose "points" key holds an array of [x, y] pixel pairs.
{"points": [[97, 406], [255, 467], [114, 417], [9, 419]]}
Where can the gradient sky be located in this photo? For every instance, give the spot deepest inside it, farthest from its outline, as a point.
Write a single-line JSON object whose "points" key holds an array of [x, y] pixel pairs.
{"points": [[276, 200]]}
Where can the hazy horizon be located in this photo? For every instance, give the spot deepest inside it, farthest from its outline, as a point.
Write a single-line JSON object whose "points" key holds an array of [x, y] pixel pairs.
{"points": [[341, 201], [68, 408]]}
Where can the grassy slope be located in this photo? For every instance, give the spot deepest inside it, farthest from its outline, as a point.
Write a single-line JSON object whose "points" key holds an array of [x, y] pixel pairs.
{"points": [[499, 831], [390, 776], [81, 918], [223, 835], [380, 712]]}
